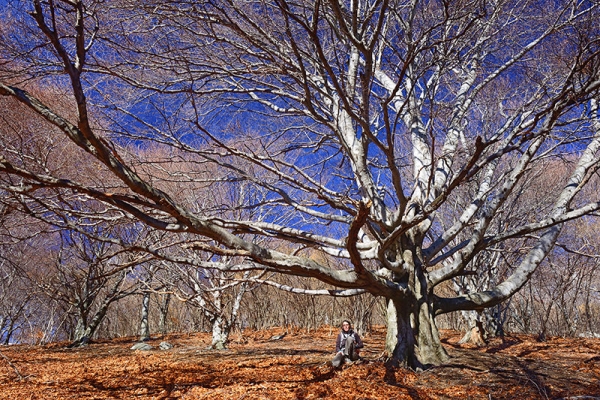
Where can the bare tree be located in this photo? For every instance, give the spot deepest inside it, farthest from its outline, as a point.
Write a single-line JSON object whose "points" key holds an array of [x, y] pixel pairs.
{"points": [[216, 292], [559, 298], [364, 121], [25, 249], [87, 278], [14, 301]]}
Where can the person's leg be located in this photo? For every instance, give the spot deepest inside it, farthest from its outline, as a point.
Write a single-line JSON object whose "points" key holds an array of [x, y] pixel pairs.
{"points": [[354, 354], [337, 360], [349, 346], [349, 350]]}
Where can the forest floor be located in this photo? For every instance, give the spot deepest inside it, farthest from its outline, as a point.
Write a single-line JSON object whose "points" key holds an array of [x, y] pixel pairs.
{"points": [[295, 367]]}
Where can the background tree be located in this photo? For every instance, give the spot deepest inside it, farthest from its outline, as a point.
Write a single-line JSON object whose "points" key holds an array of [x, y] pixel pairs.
{"points": [[26, 316], [217, 293], [87, 278], [558, 301], [14, 302], [363, 121]]}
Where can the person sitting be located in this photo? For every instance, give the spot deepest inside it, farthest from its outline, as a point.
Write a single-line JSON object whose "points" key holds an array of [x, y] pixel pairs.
{"points": [[347, 345]]}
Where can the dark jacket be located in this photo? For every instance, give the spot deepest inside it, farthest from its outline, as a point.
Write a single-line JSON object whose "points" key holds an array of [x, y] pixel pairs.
{"points": [[340, 342]]}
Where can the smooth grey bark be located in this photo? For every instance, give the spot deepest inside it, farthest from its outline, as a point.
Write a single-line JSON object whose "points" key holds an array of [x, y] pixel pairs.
{"points": [[412, 338], [222, 319], [164, 313], [145, 312]]}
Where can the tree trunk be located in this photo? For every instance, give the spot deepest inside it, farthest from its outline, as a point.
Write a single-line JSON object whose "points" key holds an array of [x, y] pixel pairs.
{"points": [[2, 330], [80, 328], [84, 330], [82, 334], [476, 331], [10, 329], [164, 313], [220, 333], [412, 337], [475, 335], [144, 325]]}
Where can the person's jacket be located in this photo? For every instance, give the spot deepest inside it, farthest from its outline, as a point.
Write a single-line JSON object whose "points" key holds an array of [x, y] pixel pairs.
{"points": [[340, 342]]}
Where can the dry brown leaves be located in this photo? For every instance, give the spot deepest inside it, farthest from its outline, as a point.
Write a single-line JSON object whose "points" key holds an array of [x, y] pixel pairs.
{"points": [[296, 368]]}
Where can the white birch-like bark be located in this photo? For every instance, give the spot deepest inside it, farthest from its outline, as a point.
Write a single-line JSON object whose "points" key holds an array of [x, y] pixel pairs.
{"points": [[144, 321]]}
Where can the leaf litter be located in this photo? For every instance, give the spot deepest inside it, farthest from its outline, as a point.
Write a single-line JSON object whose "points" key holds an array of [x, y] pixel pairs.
{"points": [[296, 367]]}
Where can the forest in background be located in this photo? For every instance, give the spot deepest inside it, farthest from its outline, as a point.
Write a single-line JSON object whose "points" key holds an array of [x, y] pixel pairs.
{"points": [[46, 290]]}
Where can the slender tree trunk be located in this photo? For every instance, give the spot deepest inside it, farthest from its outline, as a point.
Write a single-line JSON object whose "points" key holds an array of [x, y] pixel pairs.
{"points": [[164, 313], [144, 325], [497, 321], [2, 330], [238, 302], [9, 331]]}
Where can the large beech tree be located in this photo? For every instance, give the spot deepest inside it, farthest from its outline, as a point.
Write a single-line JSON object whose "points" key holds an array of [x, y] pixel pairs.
{"points": [[366, 122]]}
